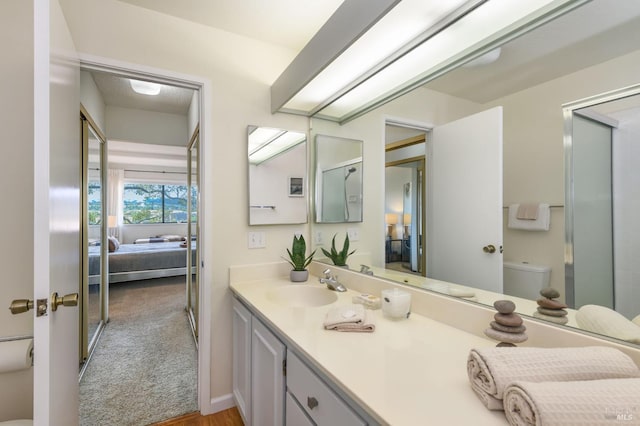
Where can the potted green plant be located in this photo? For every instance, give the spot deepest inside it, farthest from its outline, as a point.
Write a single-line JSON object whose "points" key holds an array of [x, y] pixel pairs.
{"points": [[339, 258], [297, 259]]}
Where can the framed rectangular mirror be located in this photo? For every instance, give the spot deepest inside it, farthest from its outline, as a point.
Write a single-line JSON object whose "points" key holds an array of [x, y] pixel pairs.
{"points": [[338, 179], [277, 176]]}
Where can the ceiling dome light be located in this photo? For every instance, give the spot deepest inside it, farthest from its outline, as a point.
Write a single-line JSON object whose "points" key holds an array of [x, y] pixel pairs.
{"points": [[145, 87], [485, 59]]}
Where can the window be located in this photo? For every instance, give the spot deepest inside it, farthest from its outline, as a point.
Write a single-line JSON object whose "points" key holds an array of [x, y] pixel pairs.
{"points": [[94, 204], [152, 203]]}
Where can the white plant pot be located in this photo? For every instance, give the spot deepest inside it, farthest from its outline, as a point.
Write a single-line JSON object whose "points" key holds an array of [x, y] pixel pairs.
{"points": [[299, 276]]}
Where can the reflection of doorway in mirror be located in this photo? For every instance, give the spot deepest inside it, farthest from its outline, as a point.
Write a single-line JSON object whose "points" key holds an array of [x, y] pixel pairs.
{"points": [[404, 198]]}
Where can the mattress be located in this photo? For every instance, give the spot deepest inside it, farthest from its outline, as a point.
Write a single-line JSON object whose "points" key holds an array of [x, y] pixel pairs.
{"points": [[142, 257]]}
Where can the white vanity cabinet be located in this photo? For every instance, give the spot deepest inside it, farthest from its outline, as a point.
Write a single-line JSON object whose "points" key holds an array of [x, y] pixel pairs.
{"points": [[258, 375], [315, 398]]}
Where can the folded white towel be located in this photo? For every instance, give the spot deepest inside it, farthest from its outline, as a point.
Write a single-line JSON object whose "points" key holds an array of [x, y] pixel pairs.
{"points": [[541, 223], [593, 402], [603, 320], [492, 369], [350, 318]]}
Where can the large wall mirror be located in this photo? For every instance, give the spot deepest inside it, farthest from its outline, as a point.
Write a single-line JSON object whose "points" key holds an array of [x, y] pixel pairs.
{"points": [[338, 179], [589, 51], [277, 176]]}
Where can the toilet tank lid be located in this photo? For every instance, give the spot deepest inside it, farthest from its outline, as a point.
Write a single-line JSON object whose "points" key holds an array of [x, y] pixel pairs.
{"points": [[523, 266]]}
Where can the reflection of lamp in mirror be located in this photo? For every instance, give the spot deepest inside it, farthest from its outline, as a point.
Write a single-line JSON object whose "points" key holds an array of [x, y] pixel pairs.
{"points": [[112, 224], [406, 221], [392, 220]]}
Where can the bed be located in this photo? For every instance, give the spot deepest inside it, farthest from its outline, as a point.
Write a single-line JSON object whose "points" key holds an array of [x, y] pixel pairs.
{"points": [[142, 261]]}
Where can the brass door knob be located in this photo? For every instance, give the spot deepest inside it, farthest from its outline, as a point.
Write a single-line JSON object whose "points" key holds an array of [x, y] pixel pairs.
{"points": [[19, 306], [489, 249], [67, 300]]}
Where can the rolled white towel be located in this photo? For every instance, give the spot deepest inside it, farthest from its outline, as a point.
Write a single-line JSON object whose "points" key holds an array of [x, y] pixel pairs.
{"points": [[491, 370], [592, 402]]}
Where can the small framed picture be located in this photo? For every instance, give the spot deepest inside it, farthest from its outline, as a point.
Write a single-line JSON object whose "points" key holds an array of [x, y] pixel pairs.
{"points": [[296, 187]]}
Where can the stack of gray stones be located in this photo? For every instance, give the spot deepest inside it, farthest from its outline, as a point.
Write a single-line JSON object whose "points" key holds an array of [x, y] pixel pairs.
{"points": [[550, 309], [507, 326]]}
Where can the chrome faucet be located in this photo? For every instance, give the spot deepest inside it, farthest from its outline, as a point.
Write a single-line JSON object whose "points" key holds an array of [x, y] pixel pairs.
{"points": [[364, 269], [332, 281]]}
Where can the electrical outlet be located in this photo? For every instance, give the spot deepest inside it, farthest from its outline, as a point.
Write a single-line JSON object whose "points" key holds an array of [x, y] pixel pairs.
{"points": [[256, 240], [319, 238], [353, 234]]}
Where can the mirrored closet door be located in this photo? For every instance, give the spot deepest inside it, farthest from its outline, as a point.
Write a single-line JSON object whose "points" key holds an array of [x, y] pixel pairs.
{"points": [[193, 232], [94, 236]]}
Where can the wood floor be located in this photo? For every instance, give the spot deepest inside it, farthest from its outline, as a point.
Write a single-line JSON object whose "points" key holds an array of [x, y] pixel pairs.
{"points": [[230, 417]]}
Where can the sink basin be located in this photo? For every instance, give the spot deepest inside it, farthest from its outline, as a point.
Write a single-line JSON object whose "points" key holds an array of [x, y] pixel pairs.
{"points": [[302, 295]]}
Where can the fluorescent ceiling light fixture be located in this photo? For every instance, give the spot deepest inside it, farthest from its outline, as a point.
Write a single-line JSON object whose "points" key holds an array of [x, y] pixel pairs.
{"points": [[433, 38], [266, 143], [145, 87]]}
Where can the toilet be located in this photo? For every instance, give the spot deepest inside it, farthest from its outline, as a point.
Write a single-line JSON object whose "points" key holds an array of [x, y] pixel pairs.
{"points": [[525, 280]]}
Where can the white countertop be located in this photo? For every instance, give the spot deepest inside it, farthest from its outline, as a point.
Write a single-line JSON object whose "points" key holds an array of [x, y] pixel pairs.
{"points": [[407, 372]]}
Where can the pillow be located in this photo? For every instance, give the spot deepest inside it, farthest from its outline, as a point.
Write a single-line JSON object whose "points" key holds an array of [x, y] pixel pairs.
{"points": [[114, 244], [636, 320], [171, 237], [602, 320]]}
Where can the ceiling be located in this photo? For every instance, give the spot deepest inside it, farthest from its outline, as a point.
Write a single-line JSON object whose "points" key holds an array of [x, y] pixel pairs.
{"points": [[591, 34], [116, 91], [287, 23], [539, 56]]}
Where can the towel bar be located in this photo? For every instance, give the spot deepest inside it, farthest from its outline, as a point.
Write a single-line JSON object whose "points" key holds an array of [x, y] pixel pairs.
{"points": [[12, 338]]}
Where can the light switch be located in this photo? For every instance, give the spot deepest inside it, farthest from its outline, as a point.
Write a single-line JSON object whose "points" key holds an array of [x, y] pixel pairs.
{"points": [[257, 240], [319, 238], [353, 234]]}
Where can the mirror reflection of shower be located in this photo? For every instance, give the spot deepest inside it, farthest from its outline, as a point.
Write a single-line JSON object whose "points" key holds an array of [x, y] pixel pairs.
{"points": [[346, 198], [341, 199]]}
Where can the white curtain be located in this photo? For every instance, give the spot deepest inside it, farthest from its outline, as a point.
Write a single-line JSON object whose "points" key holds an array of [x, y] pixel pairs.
{"points": [[115, 205]]}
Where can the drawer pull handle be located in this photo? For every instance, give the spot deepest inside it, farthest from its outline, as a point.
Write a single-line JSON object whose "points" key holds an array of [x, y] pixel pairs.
{"points": [[312, 402]]}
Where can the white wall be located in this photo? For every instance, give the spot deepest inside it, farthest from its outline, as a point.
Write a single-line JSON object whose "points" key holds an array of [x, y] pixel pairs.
{"points": [[239, 97], [134, 125], [193, 115], [16, 173], [534, 154], [92, 99]]}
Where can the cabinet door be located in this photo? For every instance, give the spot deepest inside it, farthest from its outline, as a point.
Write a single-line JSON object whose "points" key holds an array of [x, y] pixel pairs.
{"points": [[242, 360], [267, 378]]}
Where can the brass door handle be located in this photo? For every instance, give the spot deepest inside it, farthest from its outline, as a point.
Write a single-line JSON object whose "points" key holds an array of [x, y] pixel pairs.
{"points": [[67, 300], [489, 249], [20, 306]]}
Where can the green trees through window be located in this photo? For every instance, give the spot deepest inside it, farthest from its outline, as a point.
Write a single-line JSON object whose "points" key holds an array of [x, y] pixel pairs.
{"points": [[147, 203]]}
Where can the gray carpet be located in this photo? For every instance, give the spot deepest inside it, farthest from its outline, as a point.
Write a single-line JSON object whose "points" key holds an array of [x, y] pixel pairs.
{"points": [[144, 369]]}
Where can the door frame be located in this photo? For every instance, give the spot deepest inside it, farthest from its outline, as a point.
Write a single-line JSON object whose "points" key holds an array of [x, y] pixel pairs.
{"points": [[204, 87]]}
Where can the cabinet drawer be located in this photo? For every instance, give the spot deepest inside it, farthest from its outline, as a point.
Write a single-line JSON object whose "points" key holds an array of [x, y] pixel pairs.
{"points": [[294, 414], [316, 398]]}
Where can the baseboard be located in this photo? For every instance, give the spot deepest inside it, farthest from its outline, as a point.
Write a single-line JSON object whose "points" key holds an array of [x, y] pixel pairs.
{"points": [[221, 403]]}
